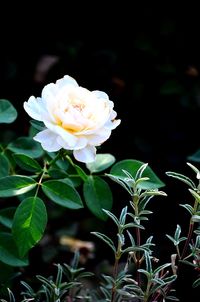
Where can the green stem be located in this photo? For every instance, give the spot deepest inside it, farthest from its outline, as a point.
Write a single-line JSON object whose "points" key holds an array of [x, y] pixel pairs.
{"points": [[59, 154], [40, 180], [146, 296], [190, 231], [115, 268]]}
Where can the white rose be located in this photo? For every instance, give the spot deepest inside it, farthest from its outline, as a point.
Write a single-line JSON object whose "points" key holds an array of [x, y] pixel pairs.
{"points": [[75, 118]]}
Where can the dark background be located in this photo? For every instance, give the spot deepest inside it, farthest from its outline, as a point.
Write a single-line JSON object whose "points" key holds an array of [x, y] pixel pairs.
{"points": [[147, 59]]}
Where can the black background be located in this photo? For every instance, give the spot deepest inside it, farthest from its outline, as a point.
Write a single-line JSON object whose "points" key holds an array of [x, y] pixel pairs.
{"points": [[147, 59]]}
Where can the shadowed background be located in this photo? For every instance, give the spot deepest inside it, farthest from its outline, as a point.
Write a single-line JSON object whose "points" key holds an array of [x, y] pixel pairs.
{"points": [[147, 61]]}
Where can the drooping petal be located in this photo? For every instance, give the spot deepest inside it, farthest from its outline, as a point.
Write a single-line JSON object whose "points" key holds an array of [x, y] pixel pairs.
{"points": [[33, 108], [48, 140], [85, 155]]}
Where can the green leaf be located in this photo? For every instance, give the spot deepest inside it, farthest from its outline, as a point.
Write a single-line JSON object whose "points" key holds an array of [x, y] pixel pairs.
{"points": [[98, 196], [57, 173], [182, 178], [132, 166], [195, 157], [29, 223], [196, 283], [27, 146], [4, 165], [102, 162], [195, 195], [195, 218], [16, 185], [26, 162], [188, 207], [37, 125], [8, 113], [171, 86], [62, 194], [78, 169], [9, 252], [6, 216], [106, 239]]}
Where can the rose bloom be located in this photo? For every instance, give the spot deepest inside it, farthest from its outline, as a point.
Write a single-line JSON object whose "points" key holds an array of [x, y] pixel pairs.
{"points": [[75, 118]]}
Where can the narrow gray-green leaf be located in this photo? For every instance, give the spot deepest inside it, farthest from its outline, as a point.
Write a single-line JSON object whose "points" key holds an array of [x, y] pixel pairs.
{"points": [[8, 113], [16, 185], [102, 162], [62, 194], [182, 178], [196, 283], [26, 162], [188, 207], [9, 252], [132, 166], [195, 195], [4, 165], [98, 196], [106, 239], [29, 223], [27, 146]]}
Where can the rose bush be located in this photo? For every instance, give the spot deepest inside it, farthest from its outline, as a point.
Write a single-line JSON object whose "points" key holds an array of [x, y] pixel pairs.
{"points": [[41, 182], [75, 118]]}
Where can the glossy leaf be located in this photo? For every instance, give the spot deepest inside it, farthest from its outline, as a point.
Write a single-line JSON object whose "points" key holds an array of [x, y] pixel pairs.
{"points": [[9, 252], [132, 166], [26, 162], [27, 146], [16, 185], [98, 196], [37, 125], [6, 216], [102, 162], [78, 169], [195, 156], [62, 194], [29, 223], [4, 165], [8, 113]]}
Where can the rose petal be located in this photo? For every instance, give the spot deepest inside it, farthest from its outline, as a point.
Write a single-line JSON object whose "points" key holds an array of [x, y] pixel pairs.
{"points": [[48, 140], [33, 108], [85, 155], [98, 138], [100, 94], [70, 139], [66, 80], [80, 143]]}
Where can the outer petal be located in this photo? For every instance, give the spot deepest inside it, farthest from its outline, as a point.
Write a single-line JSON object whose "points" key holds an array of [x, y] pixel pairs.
{"points": [[99, 137], [100, 94], [33, 108], [48, 140], [66, 80], [69, 138], [81, 143], [85, 155]]}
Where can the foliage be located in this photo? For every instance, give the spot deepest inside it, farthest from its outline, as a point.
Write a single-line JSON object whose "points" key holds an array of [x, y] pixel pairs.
{"points": [[33, 179]]}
